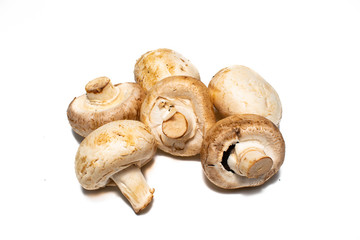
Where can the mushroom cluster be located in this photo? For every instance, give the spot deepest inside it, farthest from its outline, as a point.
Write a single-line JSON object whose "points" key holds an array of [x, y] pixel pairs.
{"points": [[168, 107]]}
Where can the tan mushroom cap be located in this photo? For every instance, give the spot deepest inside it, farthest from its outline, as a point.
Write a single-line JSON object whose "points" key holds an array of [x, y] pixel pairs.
{"points": [[256, 141], [103, 103], [179, 112], [156, 65], [115, 152], [240, 90]]}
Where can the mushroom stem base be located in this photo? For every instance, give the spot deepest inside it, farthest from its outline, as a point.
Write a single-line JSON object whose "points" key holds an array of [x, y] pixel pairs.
{"points": [[134, 187], [251, 162]]}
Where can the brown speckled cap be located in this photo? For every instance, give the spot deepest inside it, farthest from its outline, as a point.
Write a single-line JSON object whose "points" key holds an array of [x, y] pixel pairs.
{"points": [[156, 65]]}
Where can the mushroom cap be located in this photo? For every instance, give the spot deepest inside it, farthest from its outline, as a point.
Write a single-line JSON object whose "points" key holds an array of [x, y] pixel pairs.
{"points": [[247, 129], [156, 65], [186, 90], [110, 149], [240, 90], [84, 117]]}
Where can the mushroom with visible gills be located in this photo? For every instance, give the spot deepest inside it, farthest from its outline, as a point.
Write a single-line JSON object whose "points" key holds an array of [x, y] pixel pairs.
{"points": [[179, 112], [156, 65], [243, 150], [240, 90], [103, 103], [115, 152]]}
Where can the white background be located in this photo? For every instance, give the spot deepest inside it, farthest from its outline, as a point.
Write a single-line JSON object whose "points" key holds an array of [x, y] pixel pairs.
{"points": [[309, 51]]}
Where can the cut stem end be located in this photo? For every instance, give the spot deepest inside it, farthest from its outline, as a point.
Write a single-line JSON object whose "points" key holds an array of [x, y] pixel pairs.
{"points": [[100, 90], [176, 126], [251, 162]]}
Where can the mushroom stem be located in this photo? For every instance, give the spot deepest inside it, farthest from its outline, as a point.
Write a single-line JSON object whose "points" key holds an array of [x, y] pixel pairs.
{"points": [[100, 90], [134, 187], [251, 162], [176, 126]]}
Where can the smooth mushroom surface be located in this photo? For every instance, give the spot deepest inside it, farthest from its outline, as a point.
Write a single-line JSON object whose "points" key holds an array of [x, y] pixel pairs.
{"points": [[115, 152], [243, 150], [156, 65], [240, 90], [179, 112], [103, 103]]}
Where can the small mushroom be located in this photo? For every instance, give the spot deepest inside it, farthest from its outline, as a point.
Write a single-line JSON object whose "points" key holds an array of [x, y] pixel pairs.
{"points": [[156, 65], [243, 150], [103, 103], [115, 152], [179, 112], [239, 90]]}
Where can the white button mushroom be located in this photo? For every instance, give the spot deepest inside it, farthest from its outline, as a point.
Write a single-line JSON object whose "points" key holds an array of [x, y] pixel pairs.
{"points": [[242, 151], [104, 103], [116, 151], [156, 65], [179, 112], [239, 90]]}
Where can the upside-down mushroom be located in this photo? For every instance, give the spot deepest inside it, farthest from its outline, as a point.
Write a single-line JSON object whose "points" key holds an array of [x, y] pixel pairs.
{"points": [[116, 151], [242, 151], [179, 112], [156, 65], [240, 90], [103, 103]]}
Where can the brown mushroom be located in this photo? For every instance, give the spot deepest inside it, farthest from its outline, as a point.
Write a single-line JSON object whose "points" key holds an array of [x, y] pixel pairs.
{"points": [[156, 65], [179, 112], [103, 103], [242, 151], [116, 151]]}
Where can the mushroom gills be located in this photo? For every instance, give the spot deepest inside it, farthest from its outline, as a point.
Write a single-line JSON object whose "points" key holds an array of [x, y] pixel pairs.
{"points": [[134, 187], [225, 157], [247, 159]]}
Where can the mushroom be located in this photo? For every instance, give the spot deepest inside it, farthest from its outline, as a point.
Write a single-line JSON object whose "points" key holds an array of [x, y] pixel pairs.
{"points": [[179, 112], [239, 90], [115, 152], [156, 65], [242, 150], [104, 103]]}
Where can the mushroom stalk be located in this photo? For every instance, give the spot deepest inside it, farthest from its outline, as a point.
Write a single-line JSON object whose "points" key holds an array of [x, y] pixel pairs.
{"points": [[176, 126], [251, 162], [134, 187], [100, 90]]}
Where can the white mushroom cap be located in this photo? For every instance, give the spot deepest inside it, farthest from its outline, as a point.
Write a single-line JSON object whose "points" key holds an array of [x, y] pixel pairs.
{"points": [[116, 151], [179, 112], [240, 90], [103, 103], [156, 65], [243, 150]]}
